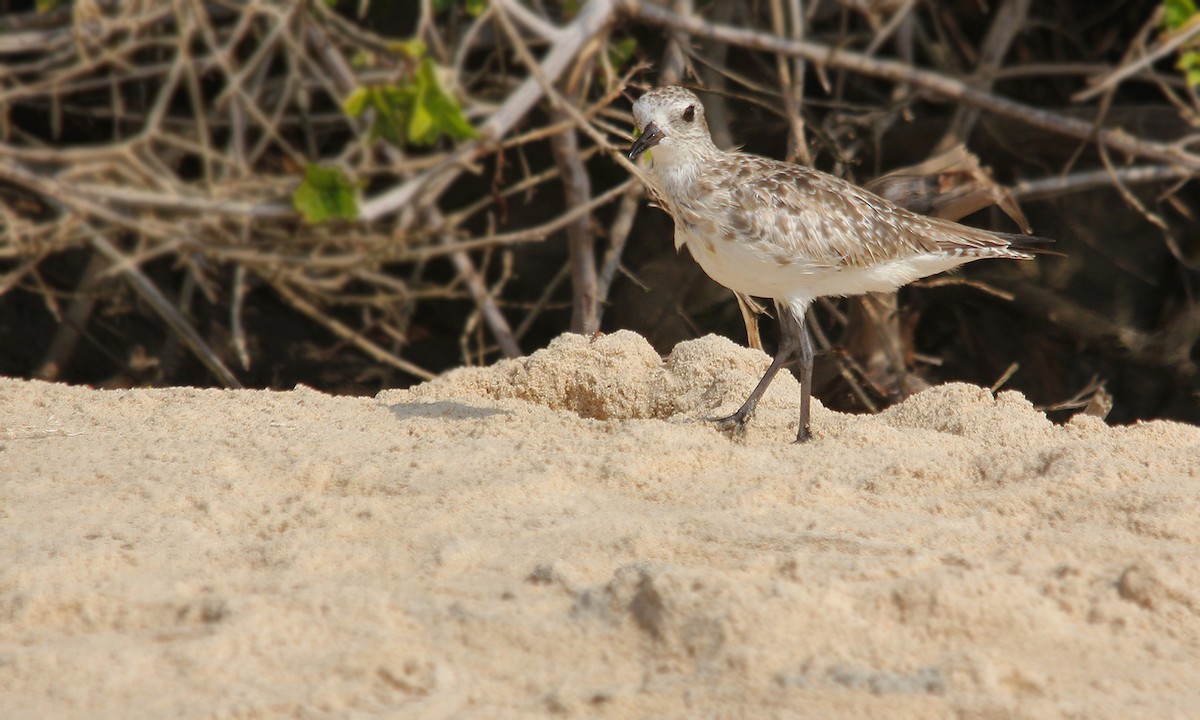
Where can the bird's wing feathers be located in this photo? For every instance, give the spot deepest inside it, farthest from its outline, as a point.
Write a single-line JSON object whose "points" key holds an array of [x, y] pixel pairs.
{"points": [[825, 222]]}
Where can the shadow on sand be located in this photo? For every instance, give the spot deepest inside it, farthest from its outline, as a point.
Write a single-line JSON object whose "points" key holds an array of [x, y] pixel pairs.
{"points": [[443, 411]]}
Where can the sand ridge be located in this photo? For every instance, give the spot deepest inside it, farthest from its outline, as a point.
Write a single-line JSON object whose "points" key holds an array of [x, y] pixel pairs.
{"points": [[564, 534]]}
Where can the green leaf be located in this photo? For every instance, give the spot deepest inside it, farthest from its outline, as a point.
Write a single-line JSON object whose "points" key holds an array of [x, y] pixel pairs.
{"points": [[474, 7], [1176, 13], [444, 109], [357, 102], [45, 6], [363, 59], [393, 106], [419, 112], [325, 194], [414, 49], [621, 51], [1189, 64], [421, 128]]}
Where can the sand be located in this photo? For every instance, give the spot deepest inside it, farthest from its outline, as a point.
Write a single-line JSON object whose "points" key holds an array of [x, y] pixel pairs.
{"points": [[564, 535]]}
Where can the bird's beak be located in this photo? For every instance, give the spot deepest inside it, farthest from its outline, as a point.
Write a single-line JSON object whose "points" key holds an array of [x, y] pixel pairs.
{"points": [[650, 137]]}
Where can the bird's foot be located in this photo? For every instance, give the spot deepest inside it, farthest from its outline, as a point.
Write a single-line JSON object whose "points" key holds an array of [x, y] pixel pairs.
{"points": [[735, 422], [803, 435]]}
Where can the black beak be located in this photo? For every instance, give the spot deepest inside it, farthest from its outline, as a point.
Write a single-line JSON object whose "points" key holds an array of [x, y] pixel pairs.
{"points": [[650, 137]]}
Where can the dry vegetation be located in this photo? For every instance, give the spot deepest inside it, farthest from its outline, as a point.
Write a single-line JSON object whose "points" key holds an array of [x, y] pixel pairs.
{"points": [[465, 159]]}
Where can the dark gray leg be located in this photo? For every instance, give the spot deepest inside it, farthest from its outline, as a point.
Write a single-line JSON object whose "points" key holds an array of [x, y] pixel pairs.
{"points": [[806, 368], [785, 355], [794, 344]]}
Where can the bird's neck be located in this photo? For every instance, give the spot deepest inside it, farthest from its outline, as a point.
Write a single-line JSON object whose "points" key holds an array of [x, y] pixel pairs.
{"points": [[678, 169]]}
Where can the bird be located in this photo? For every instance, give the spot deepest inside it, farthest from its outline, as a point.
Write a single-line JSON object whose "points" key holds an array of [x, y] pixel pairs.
{"points": [[790, 233]]}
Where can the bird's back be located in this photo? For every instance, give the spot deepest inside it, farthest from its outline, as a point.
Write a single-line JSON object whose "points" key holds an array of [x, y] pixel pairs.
{"points": [[825, 222]]}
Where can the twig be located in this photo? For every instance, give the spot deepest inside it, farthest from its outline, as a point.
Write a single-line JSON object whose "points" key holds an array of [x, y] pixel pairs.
{"points": [[1093, 392], [543, 300], [899, 15], [1008, 21], [134, 198], [673, 66], [165, 310], [62, 347], [791, 79], [1151, 217], [577, 188], [1084, 322], [979, 285], [1169, 44], [843, 365], [346, 333], [485, 302], [533, 234], [1005, 377], [530, 20], [236, 328], [1091, 179], [618, 235], [750, 309]]}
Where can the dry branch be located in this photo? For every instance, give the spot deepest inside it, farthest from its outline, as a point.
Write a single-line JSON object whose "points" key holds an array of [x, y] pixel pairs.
{"points": [[205, 115], [592, 20], [939, 85]]}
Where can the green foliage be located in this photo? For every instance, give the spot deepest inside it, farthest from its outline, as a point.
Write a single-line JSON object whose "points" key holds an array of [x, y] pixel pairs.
{"points": [[621, 51], [325, 194], [45, 6], [1189, 65], [1176, 14], [414, 48], [391, 111], [417, 112], [473, 7]]}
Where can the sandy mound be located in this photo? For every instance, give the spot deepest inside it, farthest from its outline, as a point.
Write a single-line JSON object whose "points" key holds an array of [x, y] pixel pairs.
{"points": [[619, 377], [564, 534]]}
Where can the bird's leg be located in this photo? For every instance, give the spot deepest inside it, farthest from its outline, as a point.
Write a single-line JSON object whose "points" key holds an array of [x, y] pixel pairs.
{"points": [[806, 369], [787, 352]]}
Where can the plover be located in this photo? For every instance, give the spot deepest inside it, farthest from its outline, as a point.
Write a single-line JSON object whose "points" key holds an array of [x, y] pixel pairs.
{"points": [[789, 233]]}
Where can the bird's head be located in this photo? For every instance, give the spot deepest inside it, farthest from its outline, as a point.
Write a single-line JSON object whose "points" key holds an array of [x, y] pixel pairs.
{"points": [[671, 119]]}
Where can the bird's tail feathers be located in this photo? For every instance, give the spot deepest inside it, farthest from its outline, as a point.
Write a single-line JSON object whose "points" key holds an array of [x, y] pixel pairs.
{"points": [[1032, 244]]}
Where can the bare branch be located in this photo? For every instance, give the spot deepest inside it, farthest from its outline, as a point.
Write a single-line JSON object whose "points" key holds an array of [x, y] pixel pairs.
{"points": [[941, 85], [591, 21]]}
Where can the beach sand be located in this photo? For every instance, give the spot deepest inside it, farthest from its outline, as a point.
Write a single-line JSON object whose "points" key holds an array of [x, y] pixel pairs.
{"points": [[564, 535]]}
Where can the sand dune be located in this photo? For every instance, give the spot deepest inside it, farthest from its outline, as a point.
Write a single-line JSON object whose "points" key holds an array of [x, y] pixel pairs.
{"points": [[564, 534]]}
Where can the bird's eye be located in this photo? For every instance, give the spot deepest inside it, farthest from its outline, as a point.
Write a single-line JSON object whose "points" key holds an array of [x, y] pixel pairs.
{"points": [[689, 114]]}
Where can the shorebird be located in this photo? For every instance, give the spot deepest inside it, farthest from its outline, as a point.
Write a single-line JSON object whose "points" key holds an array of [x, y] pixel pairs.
{"points": [[790, 233]]}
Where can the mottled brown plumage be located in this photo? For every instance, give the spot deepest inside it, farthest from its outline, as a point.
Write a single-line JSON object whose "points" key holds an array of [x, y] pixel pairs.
{"points": [[777, 230]]}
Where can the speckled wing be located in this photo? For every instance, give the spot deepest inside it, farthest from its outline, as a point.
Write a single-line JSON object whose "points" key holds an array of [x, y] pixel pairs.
{"points": [[817, 220]]}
